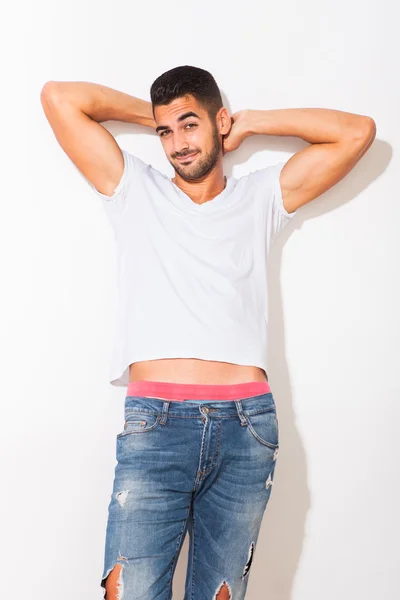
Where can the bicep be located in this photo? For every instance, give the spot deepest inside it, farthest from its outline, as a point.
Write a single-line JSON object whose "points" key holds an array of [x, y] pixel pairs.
{"points": [[315, 169], [92, 148]]}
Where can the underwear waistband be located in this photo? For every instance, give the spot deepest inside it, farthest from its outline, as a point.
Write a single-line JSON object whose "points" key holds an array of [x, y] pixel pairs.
{"points": [[197, 391]]}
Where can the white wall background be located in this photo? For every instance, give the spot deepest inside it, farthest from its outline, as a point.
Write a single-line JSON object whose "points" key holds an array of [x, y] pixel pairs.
{"points": [[331, 528]]}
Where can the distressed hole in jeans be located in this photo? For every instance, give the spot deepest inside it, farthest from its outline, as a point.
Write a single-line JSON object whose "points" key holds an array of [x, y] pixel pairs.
{"points": [[122, 496], [269, 481], [223, 592], [249, 561], [113, 583]]}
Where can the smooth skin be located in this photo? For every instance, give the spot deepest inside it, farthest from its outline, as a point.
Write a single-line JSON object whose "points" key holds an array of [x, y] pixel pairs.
{"points": [[337, 140]]}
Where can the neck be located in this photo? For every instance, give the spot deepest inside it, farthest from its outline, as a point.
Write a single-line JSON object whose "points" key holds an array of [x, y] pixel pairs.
{"points": [[201, 191]]}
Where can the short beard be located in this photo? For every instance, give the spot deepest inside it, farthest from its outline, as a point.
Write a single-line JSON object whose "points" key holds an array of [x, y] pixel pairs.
{"points": [[203, 166]]}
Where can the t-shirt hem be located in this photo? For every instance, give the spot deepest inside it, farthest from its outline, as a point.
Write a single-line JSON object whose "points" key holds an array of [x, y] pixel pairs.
{"points": [[278, 193], [121, 183]]}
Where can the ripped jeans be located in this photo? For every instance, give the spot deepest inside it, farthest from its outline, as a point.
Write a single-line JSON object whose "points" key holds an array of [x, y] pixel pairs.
{"points": [[205, 468]]}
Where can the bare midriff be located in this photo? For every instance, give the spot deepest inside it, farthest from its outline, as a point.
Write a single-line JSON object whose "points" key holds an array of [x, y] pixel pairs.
{"points": [[194, 370]]}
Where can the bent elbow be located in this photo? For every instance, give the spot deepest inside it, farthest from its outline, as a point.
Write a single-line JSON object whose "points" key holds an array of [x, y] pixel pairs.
{"points": [[366, 131]]}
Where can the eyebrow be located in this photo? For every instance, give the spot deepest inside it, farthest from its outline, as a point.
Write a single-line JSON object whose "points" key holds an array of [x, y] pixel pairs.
{"points": [[181, 118]]}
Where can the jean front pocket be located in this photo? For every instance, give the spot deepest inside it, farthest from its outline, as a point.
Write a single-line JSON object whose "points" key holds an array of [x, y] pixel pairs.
{"points": [[139, 422], [264, 427]]}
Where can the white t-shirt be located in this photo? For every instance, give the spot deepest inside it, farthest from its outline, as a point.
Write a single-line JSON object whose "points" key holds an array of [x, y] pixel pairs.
{"points": [[192, 277]]}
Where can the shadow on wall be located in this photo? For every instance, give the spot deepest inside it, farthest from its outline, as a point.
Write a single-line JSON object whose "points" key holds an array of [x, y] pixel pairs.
{"points": [[280, 541]]}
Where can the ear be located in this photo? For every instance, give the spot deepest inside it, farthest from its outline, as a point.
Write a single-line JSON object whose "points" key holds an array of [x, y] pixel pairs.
{"points": [[224, 121]]}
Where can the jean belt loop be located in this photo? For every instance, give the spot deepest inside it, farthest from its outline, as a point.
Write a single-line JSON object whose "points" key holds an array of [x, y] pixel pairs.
{"points": [[164, 415], [239, 409]]}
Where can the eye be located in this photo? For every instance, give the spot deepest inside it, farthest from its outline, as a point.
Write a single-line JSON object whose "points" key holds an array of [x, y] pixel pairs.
{"points": [[168, 130]]}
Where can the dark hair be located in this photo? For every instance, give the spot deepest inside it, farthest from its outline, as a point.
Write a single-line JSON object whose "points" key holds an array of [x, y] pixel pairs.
{"points": [[183, 80]]}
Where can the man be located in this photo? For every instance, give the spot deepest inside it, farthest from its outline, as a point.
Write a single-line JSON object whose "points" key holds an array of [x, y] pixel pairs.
{"points": [[200, 437]]}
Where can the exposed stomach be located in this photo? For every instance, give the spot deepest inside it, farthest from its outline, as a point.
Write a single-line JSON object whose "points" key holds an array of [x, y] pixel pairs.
{"points": [[194, 370]]}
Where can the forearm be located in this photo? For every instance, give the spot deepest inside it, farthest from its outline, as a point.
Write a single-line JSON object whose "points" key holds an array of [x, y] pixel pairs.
{"points": [[314, 125], [102, 103]]}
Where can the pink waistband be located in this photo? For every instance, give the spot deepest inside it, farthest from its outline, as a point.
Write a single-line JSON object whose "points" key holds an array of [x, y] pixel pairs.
{"points": [[196, 391]]}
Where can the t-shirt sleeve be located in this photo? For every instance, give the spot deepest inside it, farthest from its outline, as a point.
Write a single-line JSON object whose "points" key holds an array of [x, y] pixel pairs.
{"points": [[269, 190], [116, 204]]}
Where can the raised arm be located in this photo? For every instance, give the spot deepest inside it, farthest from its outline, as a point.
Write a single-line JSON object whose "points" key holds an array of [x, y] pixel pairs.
{"points": [[75, 110], [338, 140]]}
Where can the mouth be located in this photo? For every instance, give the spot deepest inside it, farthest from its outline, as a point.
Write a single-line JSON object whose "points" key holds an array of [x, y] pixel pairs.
{"points": [[187, 158]]}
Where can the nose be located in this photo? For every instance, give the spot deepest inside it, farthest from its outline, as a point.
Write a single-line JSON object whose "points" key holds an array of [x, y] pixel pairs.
{"points": [[181, 146]]}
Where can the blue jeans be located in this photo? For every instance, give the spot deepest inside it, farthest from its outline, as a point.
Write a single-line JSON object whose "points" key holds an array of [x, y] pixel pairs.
{"points": [[204, 467]]}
